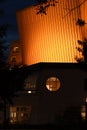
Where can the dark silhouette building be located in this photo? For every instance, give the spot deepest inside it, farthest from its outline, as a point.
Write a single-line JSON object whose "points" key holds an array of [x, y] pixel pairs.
{"points": [[56, 92]]}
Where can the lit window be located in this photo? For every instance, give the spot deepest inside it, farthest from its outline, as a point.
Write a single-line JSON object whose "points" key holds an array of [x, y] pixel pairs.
{"points": [[22, 114], [83, 112], [13, 59], [86, 100], [28, 85], [53, 84], [13, 114], [16, 49]]}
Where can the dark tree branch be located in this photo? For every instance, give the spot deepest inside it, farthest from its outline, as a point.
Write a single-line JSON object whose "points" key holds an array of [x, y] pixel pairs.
{"points": [[74, 8], [43, 5]]}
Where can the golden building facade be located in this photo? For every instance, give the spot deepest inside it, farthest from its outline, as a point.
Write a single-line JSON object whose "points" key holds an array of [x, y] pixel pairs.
{"points": [[52, 37]]}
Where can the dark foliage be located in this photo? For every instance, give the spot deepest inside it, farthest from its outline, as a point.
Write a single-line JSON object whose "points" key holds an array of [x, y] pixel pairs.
{"points": [[82, 44], [42, 1], [3, 47], [80, 22], [43, 6], [3, 30], [11, 82], [83, 50], [3, 34]]}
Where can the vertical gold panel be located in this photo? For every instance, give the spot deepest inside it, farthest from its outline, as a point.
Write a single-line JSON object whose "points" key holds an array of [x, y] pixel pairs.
{"points": [[52, 37], [83, 10]]}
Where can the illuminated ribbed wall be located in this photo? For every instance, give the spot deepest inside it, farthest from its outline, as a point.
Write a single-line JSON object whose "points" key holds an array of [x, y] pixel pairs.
{"points": [[52, 37], [83, 12]]}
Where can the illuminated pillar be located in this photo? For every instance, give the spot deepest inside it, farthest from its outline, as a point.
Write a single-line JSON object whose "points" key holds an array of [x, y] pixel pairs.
{"points": [[52, 37]]}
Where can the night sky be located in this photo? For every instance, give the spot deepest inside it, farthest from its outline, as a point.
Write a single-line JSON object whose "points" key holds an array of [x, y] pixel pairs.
{"points": [[9, 16]]}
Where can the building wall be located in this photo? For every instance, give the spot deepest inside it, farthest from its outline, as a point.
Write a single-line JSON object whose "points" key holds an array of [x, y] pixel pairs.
{"points": [[70, 94], [83, 11], [50, 106], [52, 37]]}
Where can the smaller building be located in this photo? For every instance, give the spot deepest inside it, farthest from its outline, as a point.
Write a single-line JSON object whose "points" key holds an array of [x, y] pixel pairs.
{"points": [[15, 54], [57, 93], [51, 93]]}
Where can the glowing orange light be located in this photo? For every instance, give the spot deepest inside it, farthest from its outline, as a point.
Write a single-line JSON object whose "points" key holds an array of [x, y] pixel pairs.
{"points": [[49, 38], [86, 99]]}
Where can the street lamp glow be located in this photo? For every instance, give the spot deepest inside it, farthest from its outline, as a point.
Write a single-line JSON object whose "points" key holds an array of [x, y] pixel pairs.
{"points": [[29, 92]]}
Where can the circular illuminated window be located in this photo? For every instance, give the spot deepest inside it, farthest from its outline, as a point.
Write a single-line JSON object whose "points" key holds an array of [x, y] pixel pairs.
{"points": [[53, 84]]}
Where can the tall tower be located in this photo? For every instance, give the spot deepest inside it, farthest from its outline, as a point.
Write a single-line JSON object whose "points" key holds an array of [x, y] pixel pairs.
{"points": [[52, 37], [15, 54]]}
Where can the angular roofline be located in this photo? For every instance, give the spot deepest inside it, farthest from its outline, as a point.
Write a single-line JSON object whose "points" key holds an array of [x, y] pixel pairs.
{"points": [[47, 65]]}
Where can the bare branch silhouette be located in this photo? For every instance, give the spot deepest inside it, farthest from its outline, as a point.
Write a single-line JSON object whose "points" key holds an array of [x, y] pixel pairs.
{"points": [[43, 5], [72, 9]]}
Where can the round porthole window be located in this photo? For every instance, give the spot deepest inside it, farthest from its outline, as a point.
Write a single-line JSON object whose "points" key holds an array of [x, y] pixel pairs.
{"points": [[53, 84]]}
